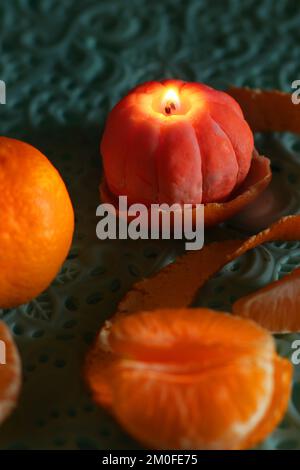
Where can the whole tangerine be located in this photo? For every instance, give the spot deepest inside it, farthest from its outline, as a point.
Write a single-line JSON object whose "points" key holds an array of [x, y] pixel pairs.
{"points": [[36, 224]]}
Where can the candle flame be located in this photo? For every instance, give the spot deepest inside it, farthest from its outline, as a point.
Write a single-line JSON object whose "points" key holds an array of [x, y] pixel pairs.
{"points": [[171, 101]]}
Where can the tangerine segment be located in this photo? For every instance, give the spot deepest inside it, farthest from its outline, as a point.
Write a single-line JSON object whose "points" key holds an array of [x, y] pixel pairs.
{"points": [[198, 333], [36, 224], [267, 110], [193, 269], [212, 395], [275, 306], [283, 380], [10, 373]]}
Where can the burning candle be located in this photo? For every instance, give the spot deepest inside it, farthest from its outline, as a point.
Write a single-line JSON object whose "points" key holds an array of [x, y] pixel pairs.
{"points": [[176, 142], [171, 102]]}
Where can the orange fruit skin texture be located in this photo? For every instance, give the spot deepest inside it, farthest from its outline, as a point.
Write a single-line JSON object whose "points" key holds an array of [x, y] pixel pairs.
{"points": [[191, 270], [267, 110], [10, 374], [36, 225], [275, 306], [189, 378]]}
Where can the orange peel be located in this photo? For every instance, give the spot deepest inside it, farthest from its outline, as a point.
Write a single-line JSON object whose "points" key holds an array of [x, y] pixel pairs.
{"points": [[267, 110], [193, 269]]}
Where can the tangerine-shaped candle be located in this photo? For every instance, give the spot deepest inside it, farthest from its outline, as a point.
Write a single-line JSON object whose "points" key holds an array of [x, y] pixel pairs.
{"points": [[176, 142]]}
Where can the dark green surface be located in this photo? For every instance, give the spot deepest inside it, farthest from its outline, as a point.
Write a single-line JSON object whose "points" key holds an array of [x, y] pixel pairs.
{"points": [[65, 65]]}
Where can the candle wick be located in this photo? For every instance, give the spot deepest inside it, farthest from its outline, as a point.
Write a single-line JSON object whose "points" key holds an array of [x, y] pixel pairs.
{"points": [[169, 107]]}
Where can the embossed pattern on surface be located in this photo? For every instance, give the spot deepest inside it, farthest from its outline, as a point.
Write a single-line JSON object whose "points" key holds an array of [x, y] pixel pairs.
{"points": [[66, 64]]}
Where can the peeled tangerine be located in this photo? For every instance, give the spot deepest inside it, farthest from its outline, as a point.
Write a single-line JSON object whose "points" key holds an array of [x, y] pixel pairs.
{"points": [[199, 151], [180, 379], [10, 373], [179, 142]]}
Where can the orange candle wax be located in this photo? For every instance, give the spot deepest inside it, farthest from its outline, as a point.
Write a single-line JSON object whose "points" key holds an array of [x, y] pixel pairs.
{"points": [[176, 142]]}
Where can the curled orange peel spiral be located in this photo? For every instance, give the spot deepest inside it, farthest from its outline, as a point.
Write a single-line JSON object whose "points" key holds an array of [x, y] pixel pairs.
{"points": [[267, 111], [190, 271]]}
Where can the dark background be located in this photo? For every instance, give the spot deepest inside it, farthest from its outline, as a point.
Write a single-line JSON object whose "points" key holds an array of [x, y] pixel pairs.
{"points": [[70, 61]]}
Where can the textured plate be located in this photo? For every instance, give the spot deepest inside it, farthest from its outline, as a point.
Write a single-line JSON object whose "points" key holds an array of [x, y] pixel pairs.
{"points": [[65, 66]]}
